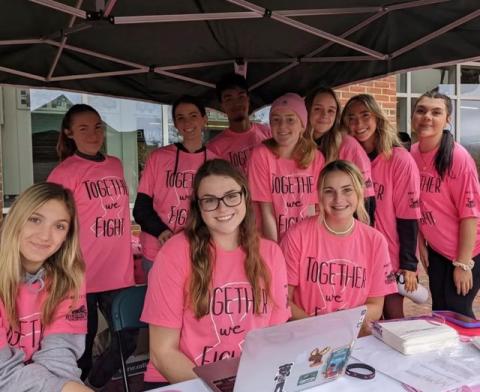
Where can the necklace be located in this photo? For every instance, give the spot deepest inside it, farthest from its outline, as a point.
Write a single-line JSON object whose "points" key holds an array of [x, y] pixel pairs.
{"points": [[425, 165], [349, 228]]}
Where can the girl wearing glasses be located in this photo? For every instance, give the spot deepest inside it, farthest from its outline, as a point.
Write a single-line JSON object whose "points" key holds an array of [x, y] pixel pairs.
{"points": [[161, 207], [212, 283], [101, 197], [283, 171], [450, 237], [397, 189], [335, 261]]}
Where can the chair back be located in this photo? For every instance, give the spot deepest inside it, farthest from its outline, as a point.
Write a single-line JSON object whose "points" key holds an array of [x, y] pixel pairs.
{"points": [[127, 307]]}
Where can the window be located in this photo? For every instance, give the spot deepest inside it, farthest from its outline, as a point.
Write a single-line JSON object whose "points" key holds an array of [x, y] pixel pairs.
{"points": [[428, 79]]}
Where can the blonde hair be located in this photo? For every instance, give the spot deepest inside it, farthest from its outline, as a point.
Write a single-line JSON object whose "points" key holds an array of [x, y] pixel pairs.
{"points": [[357, 181], [386, 136], [329, 143], [303, 153], [64, 270], [198, 234]]}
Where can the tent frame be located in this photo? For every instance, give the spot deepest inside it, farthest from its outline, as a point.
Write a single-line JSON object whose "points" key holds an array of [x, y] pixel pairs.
{"points": [[104, 14]]}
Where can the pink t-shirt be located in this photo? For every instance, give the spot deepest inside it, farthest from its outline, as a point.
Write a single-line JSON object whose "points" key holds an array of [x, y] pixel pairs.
{"points": [[169, 189], [101, 198], [445, 202], [350, 150], [333, 272], [397, 189], [236, 147], [291, 190], [69, 318], [221, 333]]}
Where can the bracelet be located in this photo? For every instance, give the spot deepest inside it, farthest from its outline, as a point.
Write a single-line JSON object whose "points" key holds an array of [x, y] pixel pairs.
{"points": [[360, 375], [468, 266]]}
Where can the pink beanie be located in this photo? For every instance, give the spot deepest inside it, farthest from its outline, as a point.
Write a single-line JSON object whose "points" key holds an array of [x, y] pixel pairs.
{"points": [[295, 103]]}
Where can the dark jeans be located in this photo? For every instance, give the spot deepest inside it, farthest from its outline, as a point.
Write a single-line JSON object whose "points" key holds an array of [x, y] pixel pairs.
{"points": [[100, 372], [153, 385], [442, 286]]}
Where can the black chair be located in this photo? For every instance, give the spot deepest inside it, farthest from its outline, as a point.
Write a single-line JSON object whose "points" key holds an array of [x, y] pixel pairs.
{"points": [[126, 310]]}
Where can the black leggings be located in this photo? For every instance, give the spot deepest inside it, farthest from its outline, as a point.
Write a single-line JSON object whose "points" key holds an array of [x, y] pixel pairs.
{"points": [[442, 286], [100, 372]]}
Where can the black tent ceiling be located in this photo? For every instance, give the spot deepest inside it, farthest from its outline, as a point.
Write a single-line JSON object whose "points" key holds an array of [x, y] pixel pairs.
{"points": [[158, 50]]}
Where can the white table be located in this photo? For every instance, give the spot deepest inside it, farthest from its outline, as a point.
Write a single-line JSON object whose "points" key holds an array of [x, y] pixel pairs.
{"points": [[380, 383]]}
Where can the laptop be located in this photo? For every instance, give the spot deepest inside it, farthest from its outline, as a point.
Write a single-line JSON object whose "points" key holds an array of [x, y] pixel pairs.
{"points": [[291, 357]]}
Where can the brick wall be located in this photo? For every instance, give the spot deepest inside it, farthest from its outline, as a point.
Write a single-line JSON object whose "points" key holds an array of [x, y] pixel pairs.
{"points": [[384, 90]]}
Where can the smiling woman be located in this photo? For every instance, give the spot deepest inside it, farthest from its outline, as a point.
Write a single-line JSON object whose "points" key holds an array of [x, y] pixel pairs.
{"points": [[101, 196], [335, 261], [161, 206], [212, 283], [283, 171], [43, 315], [449, 242], [397, 187]]}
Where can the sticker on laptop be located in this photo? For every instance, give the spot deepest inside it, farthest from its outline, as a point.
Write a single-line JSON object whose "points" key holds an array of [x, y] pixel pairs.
{"points": [[281, 377], [337, 362], [316, 356], [308, 377]]}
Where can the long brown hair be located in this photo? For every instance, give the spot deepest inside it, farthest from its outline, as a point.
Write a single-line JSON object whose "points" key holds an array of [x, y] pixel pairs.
{"points": [[386, 136], [199, 238], [443, 159], [65, 145], [329, 143], [64, 270]]}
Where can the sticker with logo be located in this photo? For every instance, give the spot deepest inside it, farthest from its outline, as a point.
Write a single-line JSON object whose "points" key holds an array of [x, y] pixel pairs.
{"points": [[281, 377], [308, 377], [316, 356], [337, 362]]}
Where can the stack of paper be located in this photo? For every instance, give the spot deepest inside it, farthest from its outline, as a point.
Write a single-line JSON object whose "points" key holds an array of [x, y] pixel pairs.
{"points": [[415, 336]]}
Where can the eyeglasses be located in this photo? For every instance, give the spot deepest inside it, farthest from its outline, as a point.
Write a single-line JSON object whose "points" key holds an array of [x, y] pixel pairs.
{"points": [[211, 203]]}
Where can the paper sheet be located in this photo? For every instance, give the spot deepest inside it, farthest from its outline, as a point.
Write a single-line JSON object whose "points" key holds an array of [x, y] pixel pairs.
{"points": [[438, 371]]}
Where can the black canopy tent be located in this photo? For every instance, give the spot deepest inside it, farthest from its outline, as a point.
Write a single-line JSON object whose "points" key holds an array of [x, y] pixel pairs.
{"points": [[158, 50]]}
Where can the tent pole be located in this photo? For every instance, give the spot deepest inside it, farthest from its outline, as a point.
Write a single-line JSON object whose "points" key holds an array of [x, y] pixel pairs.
{"points": [[185, 17], [62, 45], [109, 7], [309, 29], [99, 75], [62, 7], [185, 78], [436, 33], [24, 74]]}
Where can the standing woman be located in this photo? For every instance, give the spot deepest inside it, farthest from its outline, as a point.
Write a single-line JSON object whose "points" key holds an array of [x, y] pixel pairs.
{"points": [[449, 199], [397, 189], [161, 207], [335, 261], [324, 111], [43, 317], [212, 283], [101, 197], [283, 171]]}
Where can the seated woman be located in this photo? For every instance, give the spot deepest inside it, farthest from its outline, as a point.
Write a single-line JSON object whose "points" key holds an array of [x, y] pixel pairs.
{"points": [[335, 261], [212, 283], [43, 315]]}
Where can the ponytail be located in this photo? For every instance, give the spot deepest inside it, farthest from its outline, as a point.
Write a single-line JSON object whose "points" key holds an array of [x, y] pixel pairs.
{"points": [[444, 155]]}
